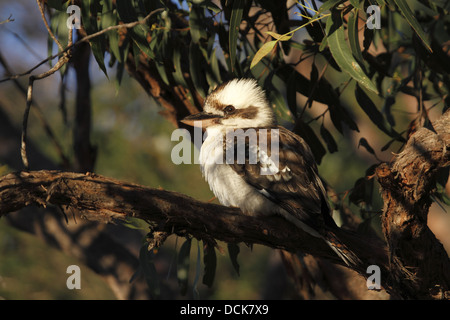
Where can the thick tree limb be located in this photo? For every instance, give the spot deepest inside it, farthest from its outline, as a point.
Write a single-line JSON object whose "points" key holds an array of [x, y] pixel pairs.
{"points": [[106, 199], [419, 263]]}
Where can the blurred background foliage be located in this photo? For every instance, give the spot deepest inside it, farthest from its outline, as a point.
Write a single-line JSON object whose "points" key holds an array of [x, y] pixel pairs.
{"points": [[354, 94]]}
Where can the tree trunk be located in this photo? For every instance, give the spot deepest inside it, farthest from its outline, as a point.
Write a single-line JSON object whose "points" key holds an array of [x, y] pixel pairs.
{"points": [[420, 267]]}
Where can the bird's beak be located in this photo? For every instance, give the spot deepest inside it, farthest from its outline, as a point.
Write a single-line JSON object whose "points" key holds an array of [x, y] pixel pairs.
{"points": [[201, 119]]}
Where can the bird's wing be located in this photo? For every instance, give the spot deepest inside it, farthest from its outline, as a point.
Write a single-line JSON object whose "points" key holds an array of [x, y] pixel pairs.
{"points": [[294, 184]]}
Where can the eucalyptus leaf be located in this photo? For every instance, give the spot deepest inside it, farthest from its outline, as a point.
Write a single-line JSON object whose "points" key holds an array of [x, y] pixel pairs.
{"points": [[210, 262], [197, 273], [263, 51], [364, 143], [233, 251], [183, 263], [409, 16], [353, 35], [196, 23], [148, 269], [342, 53], [306, 132], [235, 23], [280, 37], [327, 5], [328, 137], [197, 69]]}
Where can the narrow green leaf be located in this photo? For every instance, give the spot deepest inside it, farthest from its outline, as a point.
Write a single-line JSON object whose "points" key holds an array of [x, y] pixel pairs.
{"points": [[323, 44], [139, 35], [148, 268], [305, 131], [372, 112], [98, 50], [262, 52], [235, 22], [368, 38], [279, 104], [369, 108], [355, 3], [135, 223], [327, 5], [353, 35], [108, 19], [279, 37], [196, 68], [342, 53], [363, 142], [210, 261], [113, 38], [136, 54], [119, 74], [215, 67], [233, 251], [291, 93], [197, 273], [162, 72], [178, 74], [197, 27], [208, 4], [326, 135], [98, 47], [409, 16], [183, 263]]}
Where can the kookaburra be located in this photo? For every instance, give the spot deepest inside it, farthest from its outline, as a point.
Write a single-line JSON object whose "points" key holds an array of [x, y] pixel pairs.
{"points": [[280, 179]]}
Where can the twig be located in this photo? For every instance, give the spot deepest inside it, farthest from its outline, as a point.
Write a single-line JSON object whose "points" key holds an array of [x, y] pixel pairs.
{"points": [[7, 20], [23, 144], [41, 9], [62, 61], [40, 115], [86, 38]]}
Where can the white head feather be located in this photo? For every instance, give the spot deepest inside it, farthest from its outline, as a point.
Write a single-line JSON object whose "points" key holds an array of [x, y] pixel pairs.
{"points": [[249, 100]]}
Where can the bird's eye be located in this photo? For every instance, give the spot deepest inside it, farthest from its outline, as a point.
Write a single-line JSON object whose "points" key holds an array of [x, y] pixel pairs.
{"points": [[229, 109]]}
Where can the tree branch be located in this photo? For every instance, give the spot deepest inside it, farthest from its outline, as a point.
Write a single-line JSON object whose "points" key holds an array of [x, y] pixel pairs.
{"points": [[105, 199], [419, 263]]}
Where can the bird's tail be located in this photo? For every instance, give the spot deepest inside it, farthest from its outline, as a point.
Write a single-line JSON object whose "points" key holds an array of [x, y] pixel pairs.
{"points": [[341, 249]]}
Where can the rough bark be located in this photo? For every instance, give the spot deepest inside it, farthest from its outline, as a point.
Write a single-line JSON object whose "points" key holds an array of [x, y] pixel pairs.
{"points": [[105, 199], [419, 264]]}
